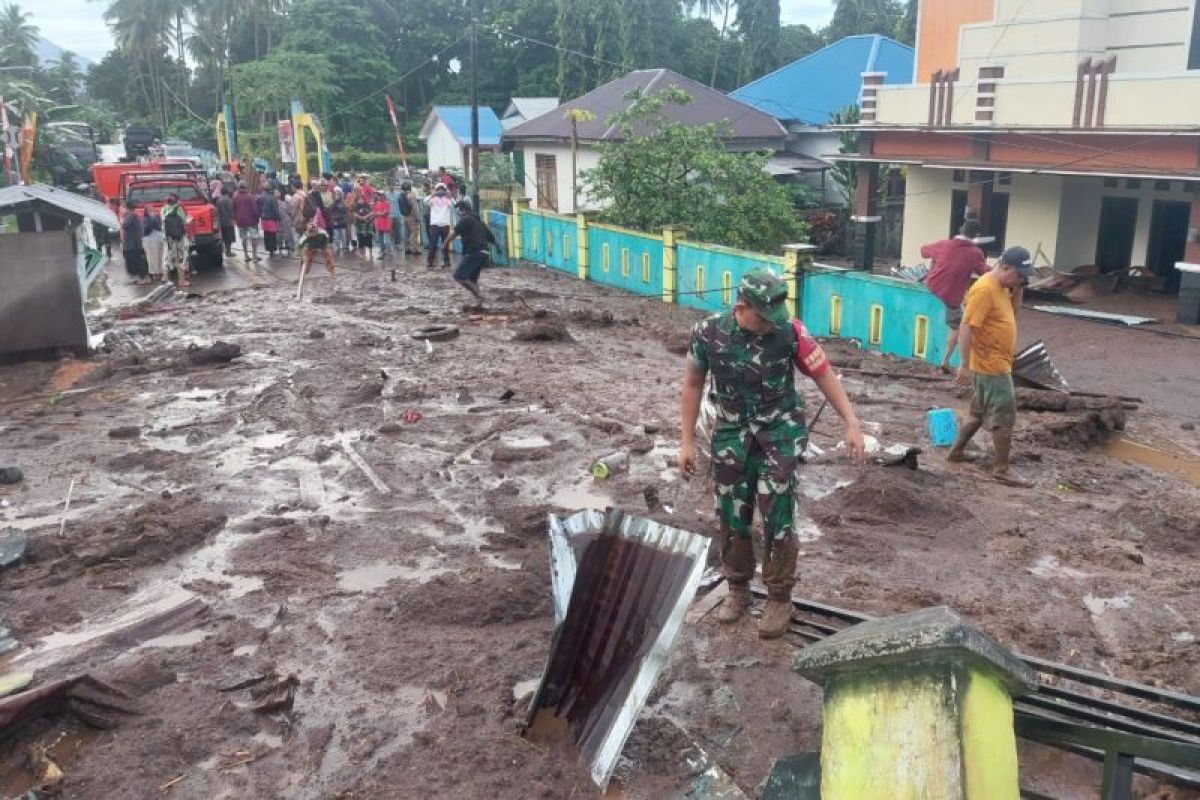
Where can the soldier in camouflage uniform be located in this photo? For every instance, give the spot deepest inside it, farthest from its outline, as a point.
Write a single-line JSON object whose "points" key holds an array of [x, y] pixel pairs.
{"points": [[752, 353]]}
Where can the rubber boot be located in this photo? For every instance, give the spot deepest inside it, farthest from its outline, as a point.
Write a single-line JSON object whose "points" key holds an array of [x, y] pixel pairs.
{"points": [[968, 430], [737, 562], [779, 574], [1002, 442]]}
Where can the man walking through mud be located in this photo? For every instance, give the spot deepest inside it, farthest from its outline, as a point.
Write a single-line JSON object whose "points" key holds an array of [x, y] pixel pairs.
{"points": [[752, 353], [955, 262], [989, 343]]}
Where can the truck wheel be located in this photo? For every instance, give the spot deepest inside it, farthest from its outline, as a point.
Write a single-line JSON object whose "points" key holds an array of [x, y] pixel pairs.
{"points": [[208, 257]]}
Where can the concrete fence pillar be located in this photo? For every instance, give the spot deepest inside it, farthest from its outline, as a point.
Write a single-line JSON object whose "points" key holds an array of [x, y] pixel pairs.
{"points": [[581, 234], [517, 241], [917, 706], [671, 234], [796, 258]]}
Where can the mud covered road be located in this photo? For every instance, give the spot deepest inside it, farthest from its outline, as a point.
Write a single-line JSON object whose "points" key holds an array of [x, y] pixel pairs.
{"points": [[279, 513]]}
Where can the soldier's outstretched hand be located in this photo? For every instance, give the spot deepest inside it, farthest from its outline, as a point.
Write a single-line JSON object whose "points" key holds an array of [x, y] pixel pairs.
{"points": [[687, 461]]}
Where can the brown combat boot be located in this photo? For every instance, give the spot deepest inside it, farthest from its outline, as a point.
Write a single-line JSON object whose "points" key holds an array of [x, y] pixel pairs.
{"points": [[735, 604], [779, 574], [1002, 442], [775, 619], [737, 562]]}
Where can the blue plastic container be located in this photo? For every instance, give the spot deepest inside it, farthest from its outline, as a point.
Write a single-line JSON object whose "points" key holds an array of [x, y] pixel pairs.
{"points": [[943, 427]]}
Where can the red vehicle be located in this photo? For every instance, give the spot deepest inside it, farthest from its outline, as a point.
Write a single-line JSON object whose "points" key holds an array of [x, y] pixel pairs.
{"points": [[151, 189]]}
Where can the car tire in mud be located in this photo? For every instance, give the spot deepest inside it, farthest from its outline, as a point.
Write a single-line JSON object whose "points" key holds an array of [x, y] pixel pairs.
{"points": [[208, 257], [435, 333]]}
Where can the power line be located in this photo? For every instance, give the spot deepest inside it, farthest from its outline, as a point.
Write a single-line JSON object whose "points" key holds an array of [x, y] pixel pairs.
{"points": [[381, 90]]}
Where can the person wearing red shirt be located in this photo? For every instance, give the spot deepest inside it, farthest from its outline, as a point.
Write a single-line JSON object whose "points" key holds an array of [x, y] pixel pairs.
{"points": [[955, 262]]}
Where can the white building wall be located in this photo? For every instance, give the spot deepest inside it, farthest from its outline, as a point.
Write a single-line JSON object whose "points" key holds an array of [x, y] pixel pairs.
{"points": [[1034, 208], [1079, 227], [587, 158], [926, 210], [819, 144], [443, 149]]}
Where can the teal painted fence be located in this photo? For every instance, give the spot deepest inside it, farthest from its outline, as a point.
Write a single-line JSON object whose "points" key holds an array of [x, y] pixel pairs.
{"points": [[626, 260], [498, 222], [885, 314], [709, 275], [550, 240]]}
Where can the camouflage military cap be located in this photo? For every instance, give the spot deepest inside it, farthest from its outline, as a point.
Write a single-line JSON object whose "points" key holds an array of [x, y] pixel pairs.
{"points": [[767, 294]]}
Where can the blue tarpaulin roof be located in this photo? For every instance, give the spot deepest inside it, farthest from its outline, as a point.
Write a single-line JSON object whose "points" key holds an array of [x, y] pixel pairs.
{"points": [[812, 89], [458, 120]]}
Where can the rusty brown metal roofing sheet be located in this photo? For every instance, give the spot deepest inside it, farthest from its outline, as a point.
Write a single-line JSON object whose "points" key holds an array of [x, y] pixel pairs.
{"points": [[621, 586]]}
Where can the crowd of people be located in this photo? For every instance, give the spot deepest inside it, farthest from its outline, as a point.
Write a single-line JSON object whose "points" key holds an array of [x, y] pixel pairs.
{"points": [[352, 216]]}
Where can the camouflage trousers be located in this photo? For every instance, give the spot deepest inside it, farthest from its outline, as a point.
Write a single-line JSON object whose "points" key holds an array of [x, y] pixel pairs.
{"points": [[754, 465]]}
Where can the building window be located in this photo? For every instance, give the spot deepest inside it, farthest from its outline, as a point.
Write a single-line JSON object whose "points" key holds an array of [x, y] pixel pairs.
{"points": [[1133, 183], [1005, 179], [547, 181], [1111, 183], [1162, 186], [960, 176]]}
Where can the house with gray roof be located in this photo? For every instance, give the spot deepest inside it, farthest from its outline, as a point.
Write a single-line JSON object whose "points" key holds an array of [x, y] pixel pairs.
{"points": [[542, 146]]}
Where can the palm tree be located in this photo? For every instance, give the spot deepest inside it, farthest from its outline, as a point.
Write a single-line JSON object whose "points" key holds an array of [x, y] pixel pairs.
{"points": [[18, 38], [708, 8], [142, 28], [67, 77]]}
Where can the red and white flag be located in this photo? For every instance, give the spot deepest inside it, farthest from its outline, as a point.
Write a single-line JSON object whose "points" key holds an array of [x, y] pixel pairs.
{"points": [[396, 125]]}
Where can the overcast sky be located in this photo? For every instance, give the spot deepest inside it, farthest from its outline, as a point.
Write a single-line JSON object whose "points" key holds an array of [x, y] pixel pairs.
{"points": [[78, 25]]}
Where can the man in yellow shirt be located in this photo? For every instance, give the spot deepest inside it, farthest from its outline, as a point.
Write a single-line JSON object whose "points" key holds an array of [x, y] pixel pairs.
{"points": [[988, 342]]}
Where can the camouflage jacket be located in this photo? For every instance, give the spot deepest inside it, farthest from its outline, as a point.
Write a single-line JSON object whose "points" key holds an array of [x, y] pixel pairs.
{"points": [[753, 377]]}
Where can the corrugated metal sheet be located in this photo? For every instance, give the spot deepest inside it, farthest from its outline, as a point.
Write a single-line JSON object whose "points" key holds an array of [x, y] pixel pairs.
{"points": [[708, 105], [458, 120], [1098, 316], [621, 586], [811, 89], [74, 204]]}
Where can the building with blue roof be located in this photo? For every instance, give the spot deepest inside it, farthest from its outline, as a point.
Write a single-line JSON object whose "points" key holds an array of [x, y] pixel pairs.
{"points": [[805, 94], [447, 135]]}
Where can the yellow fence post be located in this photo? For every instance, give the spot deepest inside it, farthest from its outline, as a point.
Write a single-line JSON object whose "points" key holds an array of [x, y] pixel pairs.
{"points": [[581, 233], [669, 263], [515, 241], [796, 258], [918, 705]]}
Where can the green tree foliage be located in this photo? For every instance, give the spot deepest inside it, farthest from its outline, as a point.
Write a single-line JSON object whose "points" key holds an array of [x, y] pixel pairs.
{"points": [[667, 173], [845, 174], [18, 38], [267, 86], [851, 17], [796, 42], [758, 29], [906, 28]]}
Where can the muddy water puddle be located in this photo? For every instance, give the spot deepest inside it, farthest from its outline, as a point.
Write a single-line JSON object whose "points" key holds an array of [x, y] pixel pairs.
{"points": [[581, 496], [1159, 459], [376, 576]]}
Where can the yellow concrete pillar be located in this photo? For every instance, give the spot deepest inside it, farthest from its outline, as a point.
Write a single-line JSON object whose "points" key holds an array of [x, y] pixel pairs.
{"points": [[917, 707], [581, 235], [671, 234], [796, 258], [516, 242]]}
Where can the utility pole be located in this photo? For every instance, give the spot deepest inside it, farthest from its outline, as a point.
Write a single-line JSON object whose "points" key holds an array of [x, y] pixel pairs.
{"points": [[475, 106]]}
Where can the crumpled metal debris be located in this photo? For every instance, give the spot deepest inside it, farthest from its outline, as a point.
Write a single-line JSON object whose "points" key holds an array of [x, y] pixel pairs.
{"points": [[87, 698], [621, 587]]}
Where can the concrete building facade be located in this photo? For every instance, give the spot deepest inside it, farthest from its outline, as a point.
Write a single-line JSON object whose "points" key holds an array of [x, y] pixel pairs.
{"points": [[1069, 126]]}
